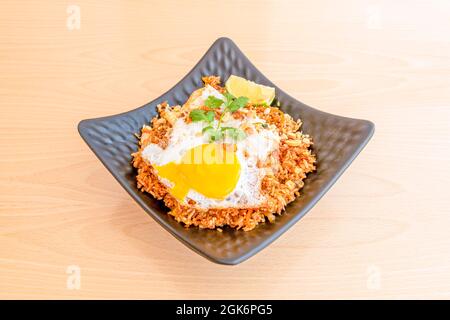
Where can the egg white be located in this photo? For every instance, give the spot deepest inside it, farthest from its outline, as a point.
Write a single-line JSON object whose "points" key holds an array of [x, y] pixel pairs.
{"points": [[256, 146]]}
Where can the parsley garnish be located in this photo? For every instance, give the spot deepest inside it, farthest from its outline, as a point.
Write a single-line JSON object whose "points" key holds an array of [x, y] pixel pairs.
{"points": [[235, 133], [213, 102], [201, 115], [237, 103], [231, 104]]}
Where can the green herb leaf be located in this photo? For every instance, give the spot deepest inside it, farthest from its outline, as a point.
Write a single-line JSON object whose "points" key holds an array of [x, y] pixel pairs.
{"points": [[215, 135], [231, 104], [238, 135], [201, 115], [234, 133], [207, 129], [210, 116], [228, 98], [213, 102], [197, 115], [237, 104]]}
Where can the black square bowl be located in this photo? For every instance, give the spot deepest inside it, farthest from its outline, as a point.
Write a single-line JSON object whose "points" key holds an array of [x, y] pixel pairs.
{"points": [[337, 141]]}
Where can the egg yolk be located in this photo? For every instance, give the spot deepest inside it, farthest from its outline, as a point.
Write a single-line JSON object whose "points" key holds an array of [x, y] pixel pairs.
{"points": [[210, 169]]}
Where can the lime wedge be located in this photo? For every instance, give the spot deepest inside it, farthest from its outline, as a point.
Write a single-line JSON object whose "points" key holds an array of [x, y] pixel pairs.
{"points": [[257, 93]]}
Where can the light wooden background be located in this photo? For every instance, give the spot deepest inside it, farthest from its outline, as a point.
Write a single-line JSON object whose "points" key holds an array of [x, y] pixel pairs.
{"points": [[383, 231]]}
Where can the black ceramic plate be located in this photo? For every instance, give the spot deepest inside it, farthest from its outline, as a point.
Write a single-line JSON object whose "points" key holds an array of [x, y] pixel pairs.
{"points": [[337, 141]]}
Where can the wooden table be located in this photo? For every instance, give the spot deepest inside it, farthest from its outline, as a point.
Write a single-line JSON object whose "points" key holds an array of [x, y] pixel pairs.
{"points": [[68, 230]]}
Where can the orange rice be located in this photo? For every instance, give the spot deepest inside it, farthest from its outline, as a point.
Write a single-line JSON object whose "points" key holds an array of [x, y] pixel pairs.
{"points": [[290, 165]]}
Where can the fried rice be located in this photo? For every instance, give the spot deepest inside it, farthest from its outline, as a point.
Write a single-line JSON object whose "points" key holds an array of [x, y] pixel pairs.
{"points": [[280, 186]]}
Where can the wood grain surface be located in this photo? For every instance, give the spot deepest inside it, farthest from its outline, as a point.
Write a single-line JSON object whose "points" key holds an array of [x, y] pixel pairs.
{"points": [[68, 230]]}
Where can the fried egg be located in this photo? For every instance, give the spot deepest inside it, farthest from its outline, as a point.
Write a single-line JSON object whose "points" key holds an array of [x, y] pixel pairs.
{"points": [[214, 175]]}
